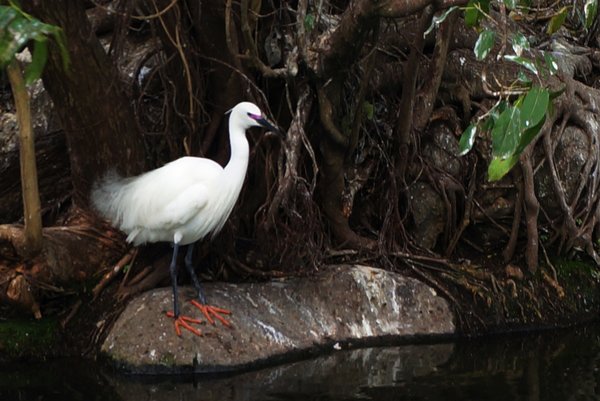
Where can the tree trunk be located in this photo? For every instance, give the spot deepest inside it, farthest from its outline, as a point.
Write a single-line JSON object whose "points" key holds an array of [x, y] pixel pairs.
{"points": [[95, 112], [53, 177], [101, 134]]}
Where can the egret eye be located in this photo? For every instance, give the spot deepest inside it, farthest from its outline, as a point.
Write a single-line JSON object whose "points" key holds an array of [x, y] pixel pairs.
{"points": [[254, 116]]}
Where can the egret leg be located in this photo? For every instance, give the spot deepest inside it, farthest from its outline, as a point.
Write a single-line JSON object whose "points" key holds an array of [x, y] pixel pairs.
{"points": [[180, 321], [190, 268], [173, 270], [207, 310]]}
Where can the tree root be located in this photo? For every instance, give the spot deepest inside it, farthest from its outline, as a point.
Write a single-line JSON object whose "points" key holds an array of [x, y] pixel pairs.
{"points": [[109, 276], [332, 184], [148, 278], [532, 207], [295, 138], [70, 255]]}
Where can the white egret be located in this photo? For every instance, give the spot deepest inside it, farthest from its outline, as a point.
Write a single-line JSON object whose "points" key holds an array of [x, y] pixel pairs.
{"points": [[182, 202]]}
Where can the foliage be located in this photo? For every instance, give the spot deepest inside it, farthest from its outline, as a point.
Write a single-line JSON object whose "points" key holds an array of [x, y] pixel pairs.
{"points": [[26, 338], [515, 128], [519, 114], [590, 10], [17, 28]]}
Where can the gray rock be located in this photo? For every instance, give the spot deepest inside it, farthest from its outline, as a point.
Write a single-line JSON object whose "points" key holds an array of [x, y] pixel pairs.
{"points": [[572, 152], [443, 151], [277, 320], [428, 213]]}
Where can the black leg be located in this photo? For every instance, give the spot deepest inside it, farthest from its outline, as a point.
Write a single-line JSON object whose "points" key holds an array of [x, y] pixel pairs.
{"points": [[190, 268], [173, 270]]}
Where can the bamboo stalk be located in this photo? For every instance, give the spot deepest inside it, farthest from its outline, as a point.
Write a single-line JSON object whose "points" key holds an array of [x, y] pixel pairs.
{"points": [[29, 181]]}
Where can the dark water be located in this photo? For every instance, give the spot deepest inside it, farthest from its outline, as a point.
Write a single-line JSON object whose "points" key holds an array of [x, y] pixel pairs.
{"points": [[554, 365]]}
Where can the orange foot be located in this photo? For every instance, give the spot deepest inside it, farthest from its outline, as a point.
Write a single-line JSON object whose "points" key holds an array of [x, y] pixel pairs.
{"points": [[184, 321], [212, 311]]}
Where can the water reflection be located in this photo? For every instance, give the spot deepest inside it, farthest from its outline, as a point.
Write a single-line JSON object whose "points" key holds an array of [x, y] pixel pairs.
{"points": [[557, 365], [338, 376]]}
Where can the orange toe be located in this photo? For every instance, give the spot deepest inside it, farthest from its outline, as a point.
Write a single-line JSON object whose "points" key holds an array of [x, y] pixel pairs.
{"points": [[185, 322], [211, 312]]}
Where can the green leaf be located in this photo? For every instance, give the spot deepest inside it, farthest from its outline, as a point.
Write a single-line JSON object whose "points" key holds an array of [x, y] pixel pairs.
{"points": [[7, 14], [534, 107], [506, 133], [499, 167], [557, 21], [484, 44], [550, 63], [488, 123], [474, 11], [472, 16], [61, 41], [515, 128], [523, 78], [527, 136], [510, 4], [369, 110], [467, 139], [309, 22], [38, 60], [590, 9], [494, 114], [519, 44], [437, 20], [13, 40], [17, 28], [524, 62]]}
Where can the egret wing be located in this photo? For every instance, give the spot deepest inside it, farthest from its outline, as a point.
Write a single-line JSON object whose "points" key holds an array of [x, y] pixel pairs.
{"points": [[183, 208], [165, 198], [164, 224]]}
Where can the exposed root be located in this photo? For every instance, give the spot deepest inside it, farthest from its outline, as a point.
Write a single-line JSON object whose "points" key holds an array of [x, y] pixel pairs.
{"points": [[147, 279], [292, 147], [109, 276], [69, 255], [532, 207], [332, 184]]}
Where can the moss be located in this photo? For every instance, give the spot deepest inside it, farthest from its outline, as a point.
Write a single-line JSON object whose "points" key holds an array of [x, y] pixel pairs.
{"points": [[566, 268], [576, 273], [167, 359], [27, 338], [580, 280]]}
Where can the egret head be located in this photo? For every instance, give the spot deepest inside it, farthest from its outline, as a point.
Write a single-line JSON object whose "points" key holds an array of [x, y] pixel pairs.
{"points": [[246, 115]]}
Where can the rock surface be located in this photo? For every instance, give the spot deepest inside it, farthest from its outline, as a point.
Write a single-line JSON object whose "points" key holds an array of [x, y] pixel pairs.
{"points": [[277, 320]]}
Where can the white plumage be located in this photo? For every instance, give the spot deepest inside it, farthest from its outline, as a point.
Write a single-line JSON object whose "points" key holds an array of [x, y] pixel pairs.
{"points": [[186, 199], [182, 202]]}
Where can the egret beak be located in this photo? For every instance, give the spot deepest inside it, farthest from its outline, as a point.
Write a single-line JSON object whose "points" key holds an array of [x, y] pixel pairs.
{"points": [[263, 122], [268, 125]]}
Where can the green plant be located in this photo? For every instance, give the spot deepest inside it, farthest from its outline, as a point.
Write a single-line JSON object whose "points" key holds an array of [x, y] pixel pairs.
{"points": [[521, 108], [17, 29]]}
